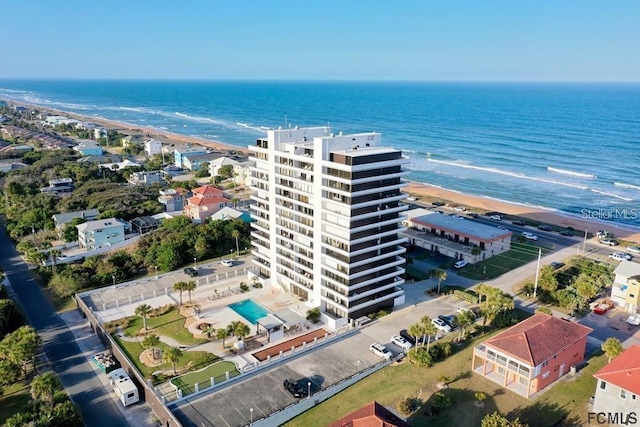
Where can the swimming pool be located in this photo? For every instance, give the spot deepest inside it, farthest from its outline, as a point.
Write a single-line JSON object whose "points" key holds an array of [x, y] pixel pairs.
{"points": [[249, 309]]}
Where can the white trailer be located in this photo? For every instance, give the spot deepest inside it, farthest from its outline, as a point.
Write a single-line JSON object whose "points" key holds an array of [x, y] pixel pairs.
{"points": [[125, 389]]}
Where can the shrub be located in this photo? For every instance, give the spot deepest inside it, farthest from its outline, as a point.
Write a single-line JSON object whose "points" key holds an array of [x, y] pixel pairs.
{"points": [[468, 296], [408, 405], [244, 287]]}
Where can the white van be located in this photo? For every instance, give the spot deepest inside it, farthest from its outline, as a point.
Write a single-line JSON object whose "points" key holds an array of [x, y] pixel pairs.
{"points": [[125, 389]]}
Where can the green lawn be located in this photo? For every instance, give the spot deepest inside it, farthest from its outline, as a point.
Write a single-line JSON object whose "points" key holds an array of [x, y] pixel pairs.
{"points": [[14, 399], [170, 324], [519, 255], [203, 377], [564, 401], [189, 359]]}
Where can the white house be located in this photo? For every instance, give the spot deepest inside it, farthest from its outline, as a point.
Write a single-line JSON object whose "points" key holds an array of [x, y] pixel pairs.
{"points": [[625, 290], [152, 147]]}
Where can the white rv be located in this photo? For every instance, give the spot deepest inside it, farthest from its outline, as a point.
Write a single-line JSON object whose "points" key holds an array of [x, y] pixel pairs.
{"points": [[125, 389]]}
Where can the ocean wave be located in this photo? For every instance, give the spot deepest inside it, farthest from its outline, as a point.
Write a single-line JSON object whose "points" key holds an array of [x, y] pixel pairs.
{"points": [[623, 185], [571, 173], [465, 165], [248, 126], [197, 118], [604, 193], [138, 110]]}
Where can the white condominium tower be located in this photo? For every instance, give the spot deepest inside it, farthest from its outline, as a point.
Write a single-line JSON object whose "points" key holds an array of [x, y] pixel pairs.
{"points": [[327, 213]]}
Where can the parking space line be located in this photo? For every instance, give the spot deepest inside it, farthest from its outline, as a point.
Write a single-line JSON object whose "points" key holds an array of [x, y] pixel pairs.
{"points": [[224, 421]]}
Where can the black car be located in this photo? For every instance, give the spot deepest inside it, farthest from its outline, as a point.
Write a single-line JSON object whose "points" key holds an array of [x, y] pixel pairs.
{"points": [[436, 203], [191, 271], [518, 222], [557, 265], [294, 388], [450, 320], [566, 233], [545, 227], [472, 215], [405, 334]]}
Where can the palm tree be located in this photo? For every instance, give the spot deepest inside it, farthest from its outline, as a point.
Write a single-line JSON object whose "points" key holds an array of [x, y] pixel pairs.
{"points": [[439, 275], [612, 347], [189, 287], [172, 355], [482, 290], [222, 334], [416, 330], [179, 286], [143, 311], [428, 328], [208, 330], [151, 341], [465, 319], [475, 251], [241, 331], [44, 386], [236, 235]]}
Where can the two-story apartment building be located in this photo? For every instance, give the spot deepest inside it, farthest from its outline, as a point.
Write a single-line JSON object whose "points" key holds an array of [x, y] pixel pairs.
{"points": [[206, 201], [59, 187], [195, 162], [455, 236], [327, 213], [100, 233], [531, 355], [152, 147], [625, 290], [241, 169], [146, 178], [617, 397]]}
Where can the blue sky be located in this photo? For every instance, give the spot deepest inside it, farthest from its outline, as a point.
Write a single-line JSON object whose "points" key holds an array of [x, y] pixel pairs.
{"points": [[545, 40]]}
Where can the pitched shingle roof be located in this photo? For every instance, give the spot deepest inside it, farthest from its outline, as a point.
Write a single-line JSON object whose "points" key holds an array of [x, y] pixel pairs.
{"points": [[623, 371], [538, 338], [205, 201], [208, 191], [371, 415]]}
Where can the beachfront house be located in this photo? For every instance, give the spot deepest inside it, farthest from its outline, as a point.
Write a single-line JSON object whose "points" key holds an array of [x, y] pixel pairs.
{"points": [[455, 236], [206, 201], [100, 233], [173, 199], [179, 154], [531, 355], [59, 187], [618, 387], [131, 141], [88, 148], [625, 290], [152, 147], [63, 219]]}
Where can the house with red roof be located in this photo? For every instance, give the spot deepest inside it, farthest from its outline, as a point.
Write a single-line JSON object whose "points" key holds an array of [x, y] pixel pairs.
{"points": [[371, 415], [206, 201], [618, 388], [533, 354]]}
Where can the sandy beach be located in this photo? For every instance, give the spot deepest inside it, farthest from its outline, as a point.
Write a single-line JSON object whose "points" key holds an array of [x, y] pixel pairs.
{"points": [[549, 217], [414, 188]]}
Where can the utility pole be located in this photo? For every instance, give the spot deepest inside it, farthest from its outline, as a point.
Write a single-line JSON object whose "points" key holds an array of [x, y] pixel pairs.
{"points": [[535, 285]]}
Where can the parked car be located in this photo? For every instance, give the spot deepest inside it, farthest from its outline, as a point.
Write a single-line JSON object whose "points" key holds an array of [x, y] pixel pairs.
{"points": [[294, 388], [411, 199], [441, 325], [380, 350], [603, 234], [401, 342], [437, 203], [609, 242], [450, 320], [530, 236], [459, 209], [461, 310], [619, 256], [496, 217], [472, 215], [633, 249], [568, 233], [460, 264], [227, 262], [545, 227], [502, 227], [518, 222], [191, 271], [634, 319], [557, 265], [602, 308], [407, 337]]}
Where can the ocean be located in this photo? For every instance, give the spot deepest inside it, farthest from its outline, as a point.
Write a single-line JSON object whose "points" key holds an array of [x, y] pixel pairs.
{"points": [[573, 148]]}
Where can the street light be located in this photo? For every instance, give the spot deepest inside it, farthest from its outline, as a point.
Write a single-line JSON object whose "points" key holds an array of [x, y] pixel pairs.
{"points": [[156, 267], [358, 365], [195, 263], [309, 389], [584, 242], [251, 410], [113, 276]]}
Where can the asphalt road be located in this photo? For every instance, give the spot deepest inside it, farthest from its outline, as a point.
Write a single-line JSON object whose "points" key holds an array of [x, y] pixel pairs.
{"points": [[97, 407]]}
